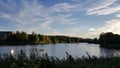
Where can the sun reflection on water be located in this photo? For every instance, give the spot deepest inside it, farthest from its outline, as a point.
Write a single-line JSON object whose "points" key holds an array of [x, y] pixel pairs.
{"points": [[12, 51]]}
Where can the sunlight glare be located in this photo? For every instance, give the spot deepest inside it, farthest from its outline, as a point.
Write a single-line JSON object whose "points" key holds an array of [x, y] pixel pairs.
{"points": [[12, 51]]}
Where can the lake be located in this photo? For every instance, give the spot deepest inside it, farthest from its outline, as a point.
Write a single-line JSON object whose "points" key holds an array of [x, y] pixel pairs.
{"points": [[59, 50]]}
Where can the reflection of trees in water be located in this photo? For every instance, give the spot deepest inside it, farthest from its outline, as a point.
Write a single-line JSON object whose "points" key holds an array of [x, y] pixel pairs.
{"points": [[36, 51], [109, 53], [116, 53]]}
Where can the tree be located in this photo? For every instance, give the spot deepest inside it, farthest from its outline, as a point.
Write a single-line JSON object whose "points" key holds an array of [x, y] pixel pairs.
{"points": [[24, 37], [33, 38], [109, 38]]}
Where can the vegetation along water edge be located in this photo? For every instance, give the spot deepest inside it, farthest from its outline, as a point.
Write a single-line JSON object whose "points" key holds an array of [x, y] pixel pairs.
{"points": [[35, 61]]}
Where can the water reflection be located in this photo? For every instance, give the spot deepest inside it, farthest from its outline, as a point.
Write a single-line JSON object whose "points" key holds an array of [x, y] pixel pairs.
{"points": [[109, 53], [59, 50], [12, 52], [116, 53]]}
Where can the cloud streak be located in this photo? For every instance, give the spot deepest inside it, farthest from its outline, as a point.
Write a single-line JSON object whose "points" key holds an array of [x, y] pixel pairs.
{"points": [[118, 15], [110, 26], [101, 4], [105, 11], [105, 7], [33, 16]]}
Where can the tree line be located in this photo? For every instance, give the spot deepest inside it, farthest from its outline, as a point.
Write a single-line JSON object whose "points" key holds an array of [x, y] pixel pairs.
{"points": [[24, 38]]}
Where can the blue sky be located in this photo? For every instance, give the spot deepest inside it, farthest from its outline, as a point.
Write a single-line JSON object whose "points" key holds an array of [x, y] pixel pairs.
{"points": [[79, 18]]}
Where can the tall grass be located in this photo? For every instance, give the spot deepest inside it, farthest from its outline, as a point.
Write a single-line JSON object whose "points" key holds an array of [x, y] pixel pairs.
{"points": [[35, 61]]}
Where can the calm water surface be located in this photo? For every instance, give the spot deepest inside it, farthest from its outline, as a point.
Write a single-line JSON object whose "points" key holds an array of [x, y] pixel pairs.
{"points": [[59, 50]]}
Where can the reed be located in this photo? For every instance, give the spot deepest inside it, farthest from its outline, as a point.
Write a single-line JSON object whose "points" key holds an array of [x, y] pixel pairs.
{"points": [[35, 61]]}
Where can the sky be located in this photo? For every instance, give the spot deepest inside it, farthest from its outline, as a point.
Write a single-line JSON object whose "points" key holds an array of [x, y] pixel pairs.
{"points": [[77, 18]]}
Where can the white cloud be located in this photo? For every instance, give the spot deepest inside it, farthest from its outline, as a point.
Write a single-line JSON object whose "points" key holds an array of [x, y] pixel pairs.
{"points": [[62, 7], [47, 23], [105, 7], [105, 11], [110, 26], [5, 16], [76, 31], [32, 16], [92, 29], [66, 7], [118, 15], [65, 19], [101, 4]]}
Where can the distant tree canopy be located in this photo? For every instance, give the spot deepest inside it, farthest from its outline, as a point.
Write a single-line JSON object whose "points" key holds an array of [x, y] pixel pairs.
{"points": [[109, 38], [33, 38], [24, 38], [18, 37]]}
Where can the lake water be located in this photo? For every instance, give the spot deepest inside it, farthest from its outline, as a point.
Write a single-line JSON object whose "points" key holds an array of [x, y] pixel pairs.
{"points": [[59, 50]]}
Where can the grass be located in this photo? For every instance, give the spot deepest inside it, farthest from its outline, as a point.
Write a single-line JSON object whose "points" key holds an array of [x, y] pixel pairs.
{"points": [[35, 61]]}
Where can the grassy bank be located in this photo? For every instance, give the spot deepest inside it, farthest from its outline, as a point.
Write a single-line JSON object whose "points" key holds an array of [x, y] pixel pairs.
{"points": [[34, 61]]}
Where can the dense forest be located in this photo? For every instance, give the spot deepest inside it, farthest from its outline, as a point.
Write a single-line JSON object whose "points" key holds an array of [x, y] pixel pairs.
{"points": [[24, 38], [109, 40]]}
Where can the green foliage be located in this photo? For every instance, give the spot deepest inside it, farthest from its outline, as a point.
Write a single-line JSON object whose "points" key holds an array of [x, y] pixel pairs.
{"points": [[109, 38], [47, 39], [33, 38], [24, 38], [18, 37], [34, 61]]}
